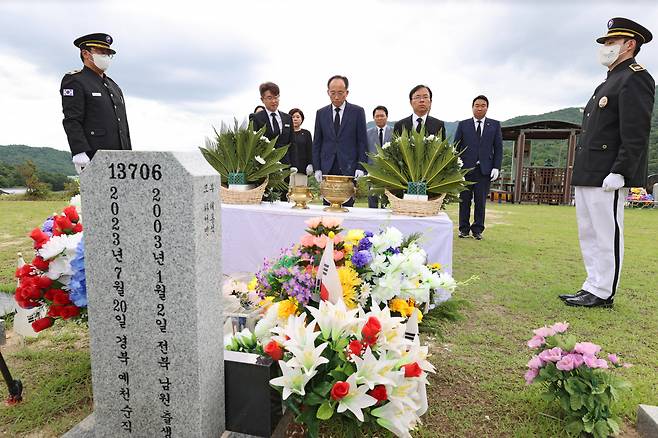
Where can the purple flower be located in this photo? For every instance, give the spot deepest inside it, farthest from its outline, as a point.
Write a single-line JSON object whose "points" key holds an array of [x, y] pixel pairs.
{"points": [[392, 250], [361, 258], [570, 362], [560, 327], [544, 332], [594, 362], [551, 355], [47, 226], [535, 363], [536, 342], [614, 359], [368, 234], [530, 375], [587, 348], [365, 243]]}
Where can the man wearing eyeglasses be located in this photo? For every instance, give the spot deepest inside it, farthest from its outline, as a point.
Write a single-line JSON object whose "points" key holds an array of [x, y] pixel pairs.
{"points": [[420, 98], [93, 104], [277, 123], [340, 137]]}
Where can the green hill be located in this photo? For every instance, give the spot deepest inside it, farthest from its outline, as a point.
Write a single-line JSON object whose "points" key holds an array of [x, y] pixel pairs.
{"points": [[571, 115], [47, 160]]}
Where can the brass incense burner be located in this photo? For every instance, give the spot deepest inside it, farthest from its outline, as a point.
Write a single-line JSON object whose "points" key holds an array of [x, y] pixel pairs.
{"points": [[337, 189], [300, 195]]}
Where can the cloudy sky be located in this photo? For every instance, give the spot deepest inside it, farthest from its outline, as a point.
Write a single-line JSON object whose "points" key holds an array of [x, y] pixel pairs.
{"points": [[185, 66]]}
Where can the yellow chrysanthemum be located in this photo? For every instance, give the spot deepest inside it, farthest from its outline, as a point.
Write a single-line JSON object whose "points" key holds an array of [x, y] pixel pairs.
{"points": [[266, 302], [435, 266], [399, 305], [353, 236], [349, 280], [348, 247], [287, 307], [252, 284]]}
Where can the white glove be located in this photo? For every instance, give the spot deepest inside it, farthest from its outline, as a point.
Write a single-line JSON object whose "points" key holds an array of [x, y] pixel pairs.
{"points": [[494, 174], [318, 175], [293, 170], [309, 170], [612, 182], [80, 161], [359, 173]]}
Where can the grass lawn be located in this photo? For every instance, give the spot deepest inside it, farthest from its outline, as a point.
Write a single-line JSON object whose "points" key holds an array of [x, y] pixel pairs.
{"points": [[529, 255]]}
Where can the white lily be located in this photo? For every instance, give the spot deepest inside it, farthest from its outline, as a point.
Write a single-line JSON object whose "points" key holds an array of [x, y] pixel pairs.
{"points": [[308, 358], [333, 319], [397, 418], [419, 354], [295, 332], [391, 336], [356, 399], [371, 371], [259, 159], [293, 380], [405, 390], [267, 323]]}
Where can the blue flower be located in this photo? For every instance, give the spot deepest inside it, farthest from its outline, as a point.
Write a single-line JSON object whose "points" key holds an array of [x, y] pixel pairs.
{"points": [[361, 258], [47, 226], [78, 282], [365, 243]]}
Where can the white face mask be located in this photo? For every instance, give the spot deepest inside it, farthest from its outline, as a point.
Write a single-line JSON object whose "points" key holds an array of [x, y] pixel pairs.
{"points": [[609, 54], [101, 61]]}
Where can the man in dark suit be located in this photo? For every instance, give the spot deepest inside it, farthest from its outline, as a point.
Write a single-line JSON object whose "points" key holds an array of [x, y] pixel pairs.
{"points": [[481, 141], [612, 155], [340, 137], [378, 135], [277, 123], [92, 103], [420, 98]]}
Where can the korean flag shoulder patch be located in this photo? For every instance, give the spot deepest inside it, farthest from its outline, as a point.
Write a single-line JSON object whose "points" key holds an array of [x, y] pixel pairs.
{"points": [[67, 92]]}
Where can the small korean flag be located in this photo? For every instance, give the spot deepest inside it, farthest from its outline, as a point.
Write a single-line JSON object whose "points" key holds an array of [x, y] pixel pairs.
{"points": [[67, 92]]}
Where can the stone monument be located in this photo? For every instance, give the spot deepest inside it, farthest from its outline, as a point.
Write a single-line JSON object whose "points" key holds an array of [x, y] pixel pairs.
{"points": [[152, 252]]}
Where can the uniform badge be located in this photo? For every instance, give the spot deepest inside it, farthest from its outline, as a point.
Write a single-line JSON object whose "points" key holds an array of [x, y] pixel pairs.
{"points": [[610, 23], [603, 102], [108, 39], [67, 92]]}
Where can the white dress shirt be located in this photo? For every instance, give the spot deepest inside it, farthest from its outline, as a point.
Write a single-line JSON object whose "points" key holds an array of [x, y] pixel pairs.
{"points": [[475, 123], [415, 120]]}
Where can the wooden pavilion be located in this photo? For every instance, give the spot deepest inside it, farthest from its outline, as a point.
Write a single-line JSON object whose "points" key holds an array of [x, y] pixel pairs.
{"points": [[540, 184]]}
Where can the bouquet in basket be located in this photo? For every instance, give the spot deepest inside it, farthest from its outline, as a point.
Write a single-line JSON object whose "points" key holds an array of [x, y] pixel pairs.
{"points": [[55, 277], [418, 165]]}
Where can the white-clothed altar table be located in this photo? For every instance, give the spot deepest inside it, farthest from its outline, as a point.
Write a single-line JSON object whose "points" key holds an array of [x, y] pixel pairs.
{"points": [[251, 233]]}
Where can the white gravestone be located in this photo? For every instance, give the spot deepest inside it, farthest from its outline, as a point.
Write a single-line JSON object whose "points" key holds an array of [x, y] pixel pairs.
{"points": [[152, 251]]}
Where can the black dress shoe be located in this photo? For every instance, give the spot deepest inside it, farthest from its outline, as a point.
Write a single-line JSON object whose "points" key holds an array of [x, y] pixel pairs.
{"points": [[463, 235], [588, 300], [477, 236], [577, 294]]}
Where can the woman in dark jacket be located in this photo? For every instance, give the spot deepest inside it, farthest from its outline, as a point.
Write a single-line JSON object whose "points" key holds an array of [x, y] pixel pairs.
{"points": [[300, 150]]}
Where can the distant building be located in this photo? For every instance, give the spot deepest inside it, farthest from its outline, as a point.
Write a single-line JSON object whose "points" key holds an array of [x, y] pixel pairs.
{"points": [[13, 191]]}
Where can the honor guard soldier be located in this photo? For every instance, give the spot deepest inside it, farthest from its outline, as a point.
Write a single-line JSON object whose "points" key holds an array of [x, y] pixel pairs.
{"points": [[93, 104], [611, 156]]}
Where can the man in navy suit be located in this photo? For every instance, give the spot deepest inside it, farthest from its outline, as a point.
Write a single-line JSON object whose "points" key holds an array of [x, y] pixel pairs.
{"points": [[340, 137], [378, 135], [278, 124], [420, 98], [482, 142]]}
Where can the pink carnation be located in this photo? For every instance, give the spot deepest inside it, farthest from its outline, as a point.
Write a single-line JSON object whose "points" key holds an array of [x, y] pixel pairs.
{"points": [[307, 240], [536, 342], [331, 222], [570, 362], [313, 222], [587, 348], [560, 327], [614, 359], [552, 355], [338, 255], [544, 332], [337, 239], [320, 241], [530, 375], [535, 363]]}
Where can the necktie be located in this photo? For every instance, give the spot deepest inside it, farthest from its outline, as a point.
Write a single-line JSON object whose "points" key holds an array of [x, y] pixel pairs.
{"points": [[479, 130], [337, 121], [420, 124], [381, 136], [275, 125]]}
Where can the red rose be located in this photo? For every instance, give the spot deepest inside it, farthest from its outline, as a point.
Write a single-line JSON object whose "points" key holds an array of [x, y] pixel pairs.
{"points": [[39, 237], [31, 292], [63, 224], [412, 370], [356, 347], [72, 213], [39, 263], [70, 311], [52, 293], [274, 350], [340, 390], [43, 282], [24, 271], [379, 392], [371, 330], [77, 228], [55, 311], [60, 297], [57, 232], [42, 324]]}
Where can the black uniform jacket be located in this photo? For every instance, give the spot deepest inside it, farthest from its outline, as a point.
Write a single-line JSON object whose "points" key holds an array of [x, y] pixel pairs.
{"points": [[94, 113], [616, 125], [433, 126]]}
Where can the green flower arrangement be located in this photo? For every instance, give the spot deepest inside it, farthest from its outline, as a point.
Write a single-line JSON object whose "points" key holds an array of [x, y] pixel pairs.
{"points": [[414, 163], [244, 156]]}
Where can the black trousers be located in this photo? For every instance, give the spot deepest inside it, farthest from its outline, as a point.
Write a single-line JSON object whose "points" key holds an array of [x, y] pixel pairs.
{"points": [[477, 193], [335, 170]]}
